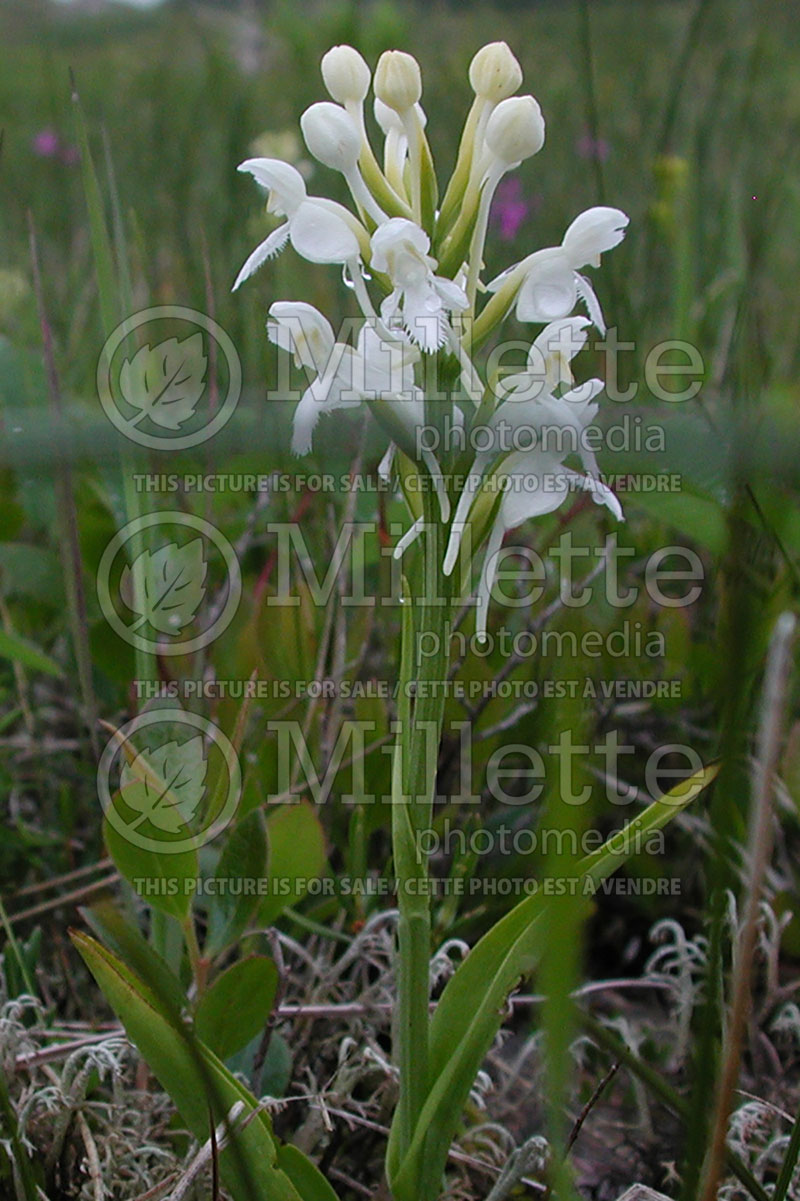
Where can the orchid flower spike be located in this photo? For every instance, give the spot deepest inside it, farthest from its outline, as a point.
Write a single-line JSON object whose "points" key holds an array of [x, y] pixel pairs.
{"points": [[548, 283], [420, 300], [429, 260], [320, 230]]}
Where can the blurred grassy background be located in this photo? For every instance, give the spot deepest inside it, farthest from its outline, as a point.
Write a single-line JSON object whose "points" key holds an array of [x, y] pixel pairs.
{"points": [[685, 114], [183, 92]]}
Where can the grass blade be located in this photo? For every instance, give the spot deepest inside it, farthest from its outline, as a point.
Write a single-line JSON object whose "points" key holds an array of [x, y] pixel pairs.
{"points": [[69, 542], [789, 1162], [469, 1012]]}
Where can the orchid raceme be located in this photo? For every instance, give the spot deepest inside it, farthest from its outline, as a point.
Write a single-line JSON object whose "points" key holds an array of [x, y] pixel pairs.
{"points": [[519, 447]]}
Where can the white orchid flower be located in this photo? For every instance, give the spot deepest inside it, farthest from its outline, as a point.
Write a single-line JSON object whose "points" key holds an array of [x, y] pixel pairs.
{"points": [[549, 360], [375, 370], [551, 282], [319, 229], [532, 481], [538, 483], [420, 300], [542, 422], [344, 376]]}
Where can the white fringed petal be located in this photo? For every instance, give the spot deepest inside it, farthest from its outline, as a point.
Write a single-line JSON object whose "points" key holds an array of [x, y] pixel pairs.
{"points": [[589, 297], [272, 245]]}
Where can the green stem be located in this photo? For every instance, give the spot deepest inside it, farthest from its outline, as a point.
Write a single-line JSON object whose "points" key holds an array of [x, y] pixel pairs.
{"points": [[197, 963], [417, 758]]}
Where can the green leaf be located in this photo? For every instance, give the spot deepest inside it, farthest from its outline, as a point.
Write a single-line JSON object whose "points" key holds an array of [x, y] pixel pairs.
{"points": [[469, 1012], [164, 879], [24, 652], [122, 936], [237, 1005], [304, 1176], [200, 1086], [296, 855], [243, 858], [277, 1069]]}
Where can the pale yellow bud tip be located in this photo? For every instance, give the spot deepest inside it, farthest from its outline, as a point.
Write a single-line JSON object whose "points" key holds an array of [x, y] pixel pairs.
{"points": [[515, 129], [494, 72], [398, 81], [345, 74]]}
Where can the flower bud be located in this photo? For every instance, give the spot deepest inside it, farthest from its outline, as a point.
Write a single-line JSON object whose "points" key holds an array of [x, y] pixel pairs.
{"points": [[494, 72], [331, 135], [388, 119], [398, 81], [515, 129], [345, 74]]}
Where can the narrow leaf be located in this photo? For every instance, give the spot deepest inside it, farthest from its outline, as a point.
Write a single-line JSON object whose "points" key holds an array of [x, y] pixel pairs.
{"points": [[21, 651], [469, 1012]]}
